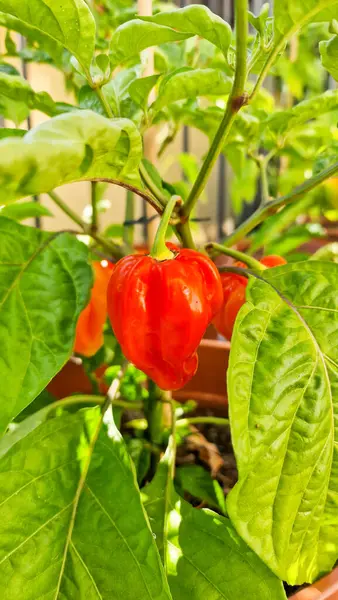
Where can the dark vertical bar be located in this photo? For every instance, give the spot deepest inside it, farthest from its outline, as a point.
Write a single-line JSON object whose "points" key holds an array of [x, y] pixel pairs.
{"points": [[29, 123], [145, 224]]}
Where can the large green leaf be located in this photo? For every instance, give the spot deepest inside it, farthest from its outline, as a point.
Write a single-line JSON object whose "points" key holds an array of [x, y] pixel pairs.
{"points": [[197, 20], [202, 554], [191, 83], [17, 99], [329, 53], [68, 22], [291, 15], [75, 146], [283, 396], [33, 36], [134, 36], [44, 285], [72, 523]]}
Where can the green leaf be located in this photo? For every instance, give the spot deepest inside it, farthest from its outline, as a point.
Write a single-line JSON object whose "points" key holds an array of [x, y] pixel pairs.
{"points": [[291, 15], [6, 132], [67, 22], [117, 91], [33, 36], [17, 98], [140, 455], [76, 146], [134, 36], [89, 100], [197, 20], [329, 55], [196, 546], [244, 183], [7, 68], [192, 83], [198, 482], [259, 22], [25, 210], [295, 236], [155, 176], [115, 230], [274, 225], [45, 279], [283, 397], [139, 90], [68, 491], [284, 121]]}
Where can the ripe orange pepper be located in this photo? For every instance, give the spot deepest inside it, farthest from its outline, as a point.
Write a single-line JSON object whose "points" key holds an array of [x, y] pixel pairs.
{"points": [[234, 287], [89, 330], [160, 309]]}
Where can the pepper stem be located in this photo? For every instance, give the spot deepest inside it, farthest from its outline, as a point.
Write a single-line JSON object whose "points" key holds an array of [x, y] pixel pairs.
{"points": [[159, 249], [251, 262]]}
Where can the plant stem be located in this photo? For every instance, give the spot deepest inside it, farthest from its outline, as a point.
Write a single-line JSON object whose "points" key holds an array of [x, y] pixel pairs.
{"points": [[151, 185], [202, 420], [68, 211], [92, 399], [128, 231], [159, 249], [236, 270], [272, 207], [265, 197], [236, 100], [173, 441], [104, 102], [183, 232], [248, 260], [112, 248], [95, 226]]}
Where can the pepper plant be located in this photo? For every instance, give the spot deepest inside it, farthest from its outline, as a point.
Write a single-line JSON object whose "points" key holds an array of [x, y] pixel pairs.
{"points": [[74, 523]]}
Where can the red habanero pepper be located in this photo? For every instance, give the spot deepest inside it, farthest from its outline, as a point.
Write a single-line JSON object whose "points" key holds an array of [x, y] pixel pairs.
{"points": [[234, 287], [89, 329], [160, 309]]}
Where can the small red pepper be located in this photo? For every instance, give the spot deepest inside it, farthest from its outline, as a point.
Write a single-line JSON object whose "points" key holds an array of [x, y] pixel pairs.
{"points": [[234, 287], [160, 309], [89, 329]]}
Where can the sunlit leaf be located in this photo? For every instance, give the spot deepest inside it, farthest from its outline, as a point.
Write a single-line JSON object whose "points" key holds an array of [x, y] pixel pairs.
{"points": [[65, 526], [283, 397], [44, 284], [198, 547], [192, 83], [329, 54], [67, 22], [197, 20], [134, 36], [17, 99], [75, 146]]}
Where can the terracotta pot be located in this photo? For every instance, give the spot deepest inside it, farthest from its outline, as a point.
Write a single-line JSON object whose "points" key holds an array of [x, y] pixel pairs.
{"points": [[325, 589], [207, 387]]}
